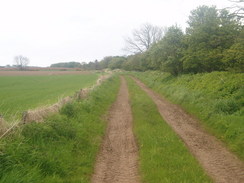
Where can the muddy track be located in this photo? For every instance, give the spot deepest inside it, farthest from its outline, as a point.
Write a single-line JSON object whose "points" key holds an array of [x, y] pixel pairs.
{"points": [[118, 157], [219, 163]]}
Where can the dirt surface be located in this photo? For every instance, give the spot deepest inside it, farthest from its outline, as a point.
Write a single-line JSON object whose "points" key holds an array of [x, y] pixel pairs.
{"points": [[118, 157], [37, 73], [219, 163]]}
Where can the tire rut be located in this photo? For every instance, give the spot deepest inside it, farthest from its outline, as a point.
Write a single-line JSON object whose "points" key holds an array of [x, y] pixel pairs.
{"points": [[117, 161], [218, 162]]}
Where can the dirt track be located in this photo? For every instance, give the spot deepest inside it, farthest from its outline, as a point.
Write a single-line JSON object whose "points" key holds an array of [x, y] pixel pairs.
{"points": [[218, 162], [117, 160]]}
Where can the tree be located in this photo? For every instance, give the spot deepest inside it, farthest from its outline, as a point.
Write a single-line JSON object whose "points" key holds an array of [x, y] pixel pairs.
{"points": [[234, 56], [116, 62], [135, 62], [21, 62], [143, 38], [209, 34], [105, 62], [167, 54], [237, 8], [67, 65]]}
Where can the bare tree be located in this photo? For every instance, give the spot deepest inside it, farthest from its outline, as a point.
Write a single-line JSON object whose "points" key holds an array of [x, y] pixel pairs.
{"points": [[143, 38], [21, 62], [237, 8]]}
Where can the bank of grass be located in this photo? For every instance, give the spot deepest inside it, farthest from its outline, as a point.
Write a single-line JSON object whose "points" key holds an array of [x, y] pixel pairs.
{"points": [[20, 93], [216, 98], [163, 157], [64, 147]]}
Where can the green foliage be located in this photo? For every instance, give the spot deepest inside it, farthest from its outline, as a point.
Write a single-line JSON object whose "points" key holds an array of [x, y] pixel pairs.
{"points": [[163, 157], [20, 93], [216, 98], [234, 57], [207, 36], [213, 42], [135, 62], [67, 65], [116, 63], [112, 62], [64, 147], [69, 110], [91, 65], [168, 52], [105, 62]]}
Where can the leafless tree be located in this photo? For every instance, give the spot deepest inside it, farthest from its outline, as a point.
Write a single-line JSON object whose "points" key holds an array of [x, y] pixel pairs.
{"points": [[237, 8], [21, 62], [143, 38]]}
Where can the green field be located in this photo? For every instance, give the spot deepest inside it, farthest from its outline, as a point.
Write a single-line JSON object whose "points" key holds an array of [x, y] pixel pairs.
{"points": [[216, 98], [20, 93]]}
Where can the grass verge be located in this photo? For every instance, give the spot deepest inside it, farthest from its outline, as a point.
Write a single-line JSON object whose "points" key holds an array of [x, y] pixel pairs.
{"points": [[216, 98], [64, 148], [163, 157]]}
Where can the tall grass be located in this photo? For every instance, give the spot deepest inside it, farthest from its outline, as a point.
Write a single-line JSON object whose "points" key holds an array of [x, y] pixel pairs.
{"points": [[217, 99], [163, 157], [64, 148], [19, 93]]}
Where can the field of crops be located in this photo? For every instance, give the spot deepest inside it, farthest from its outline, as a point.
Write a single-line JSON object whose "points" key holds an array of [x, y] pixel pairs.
{"points": [[20, 92]]}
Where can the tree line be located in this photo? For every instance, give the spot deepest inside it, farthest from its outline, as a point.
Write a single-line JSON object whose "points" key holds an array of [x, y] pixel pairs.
{"points": [[213, 41], [66, 65]]}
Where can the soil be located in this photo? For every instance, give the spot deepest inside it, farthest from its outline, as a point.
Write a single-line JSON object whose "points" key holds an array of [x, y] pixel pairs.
{"points": [[218, 162], [117, 161]]}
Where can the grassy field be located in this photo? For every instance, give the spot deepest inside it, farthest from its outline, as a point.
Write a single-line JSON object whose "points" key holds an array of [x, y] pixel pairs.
{"points": [[64, 148], [20, 93], [163, 157], [216, 98]]}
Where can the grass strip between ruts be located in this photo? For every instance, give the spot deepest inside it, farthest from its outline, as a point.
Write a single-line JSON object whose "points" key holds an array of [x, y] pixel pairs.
{"points": [[163, 157]]}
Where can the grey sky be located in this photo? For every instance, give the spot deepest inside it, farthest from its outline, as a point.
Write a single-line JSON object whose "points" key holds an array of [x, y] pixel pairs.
{"points": [[50, 31]]}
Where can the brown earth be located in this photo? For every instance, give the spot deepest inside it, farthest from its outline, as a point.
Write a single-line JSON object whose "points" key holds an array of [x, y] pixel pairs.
{"points": [[37, 73], [118, 157], [219, 163]]}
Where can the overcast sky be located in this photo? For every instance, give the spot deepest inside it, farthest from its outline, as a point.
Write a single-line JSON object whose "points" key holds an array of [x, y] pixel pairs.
{"points": [[51, 31]]}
